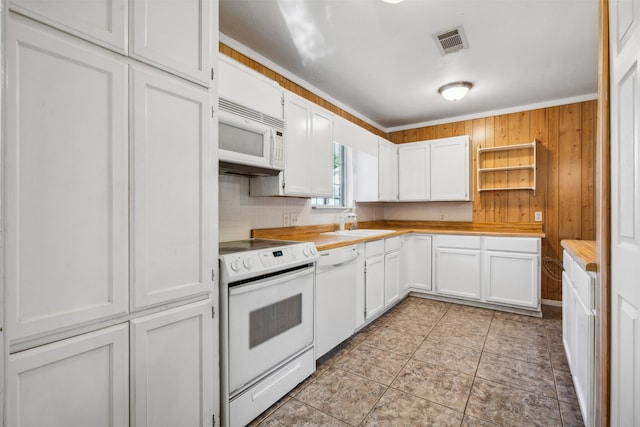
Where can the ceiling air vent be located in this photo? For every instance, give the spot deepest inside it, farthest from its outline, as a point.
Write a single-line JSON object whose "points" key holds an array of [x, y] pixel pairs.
{"points": [[451, 40]]}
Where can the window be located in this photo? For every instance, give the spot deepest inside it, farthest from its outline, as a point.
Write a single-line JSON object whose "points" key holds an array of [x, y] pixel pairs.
{"points": [[339, 180]]}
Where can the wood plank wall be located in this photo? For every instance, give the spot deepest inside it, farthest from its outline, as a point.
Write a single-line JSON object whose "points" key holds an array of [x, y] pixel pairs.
{"points": [[565, 168], [566, 159]]}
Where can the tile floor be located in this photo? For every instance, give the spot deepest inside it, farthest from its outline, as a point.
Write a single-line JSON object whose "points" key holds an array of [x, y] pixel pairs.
{"points": [[429, 363]]}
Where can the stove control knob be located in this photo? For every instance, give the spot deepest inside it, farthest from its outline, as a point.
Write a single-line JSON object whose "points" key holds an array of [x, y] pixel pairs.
{"points": [[314, 251], [248, 263], [306, 252], [235, 264]]}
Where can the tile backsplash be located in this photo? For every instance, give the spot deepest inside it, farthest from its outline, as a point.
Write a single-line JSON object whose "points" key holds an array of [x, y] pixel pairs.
{"points": [[239, 213]]}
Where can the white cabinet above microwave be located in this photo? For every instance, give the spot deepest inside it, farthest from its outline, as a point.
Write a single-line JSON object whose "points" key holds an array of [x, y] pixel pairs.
{"points": [[247, 88]]}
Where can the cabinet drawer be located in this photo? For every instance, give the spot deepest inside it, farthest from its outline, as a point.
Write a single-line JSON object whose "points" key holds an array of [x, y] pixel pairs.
{"points": [[462, 242], [392, 244], [584, 285], [513, 244], [374, 248]]}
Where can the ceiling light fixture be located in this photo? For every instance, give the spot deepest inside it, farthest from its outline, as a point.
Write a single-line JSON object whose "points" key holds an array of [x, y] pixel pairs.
{"points": [[455, 91], [393, 1]]}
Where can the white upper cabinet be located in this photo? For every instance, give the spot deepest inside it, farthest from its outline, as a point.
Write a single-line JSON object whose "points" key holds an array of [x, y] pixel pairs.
{"points": [[66, 158], [365, 176], [387, 171], [364, 157], [297, 115], [321, 161], [414, 176], [450, 169], [174, 35], [248, 88], [103, 22], [308, 169], [435, 170], [170, 157]]}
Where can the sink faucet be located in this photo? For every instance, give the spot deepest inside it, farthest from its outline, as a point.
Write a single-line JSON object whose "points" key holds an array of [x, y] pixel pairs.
{"points": [[348, 214]]}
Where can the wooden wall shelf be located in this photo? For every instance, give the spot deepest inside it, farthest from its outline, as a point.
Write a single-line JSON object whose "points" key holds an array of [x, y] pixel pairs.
{"points": [[508, 167]]}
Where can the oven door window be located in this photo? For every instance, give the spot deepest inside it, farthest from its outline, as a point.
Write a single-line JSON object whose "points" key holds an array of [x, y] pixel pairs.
{"points": [[269, 321]]}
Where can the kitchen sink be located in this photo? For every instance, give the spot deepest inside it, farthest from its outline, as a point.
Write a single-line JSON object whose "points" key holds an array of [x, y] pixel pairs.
{"points": [[365, 232]]}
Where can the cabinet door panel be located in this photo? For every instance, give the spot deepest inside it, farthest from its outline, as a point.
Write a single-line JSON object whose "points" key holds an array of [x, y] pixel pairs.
{"points": [[458, 273], [322, 154], [174, 35], [66, 181], [391, 277], [244, 86], [103, 22], [450, 168], [171, 221], [374, 286], [172, 367], [568, 318], [80, 381], [298, 147], [583, 367], [387, 171], [512, 278], [421, 265], [413, 172]]}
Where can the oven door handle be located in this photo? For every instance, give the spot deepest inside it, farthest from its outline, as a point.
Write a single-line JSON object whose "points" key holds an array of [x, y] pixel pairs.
{"points": [[254, 286]]}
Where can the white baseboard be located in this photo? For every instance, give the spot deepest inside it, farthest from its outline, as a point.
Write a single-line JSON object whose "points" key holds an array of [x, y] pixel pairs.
{"points": [[552, 302]]}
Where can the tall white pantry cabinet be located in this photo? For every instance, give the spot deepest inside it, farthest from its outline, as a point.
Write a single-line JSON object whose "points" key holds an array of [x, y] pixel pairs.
{"points": [[109, 243]]}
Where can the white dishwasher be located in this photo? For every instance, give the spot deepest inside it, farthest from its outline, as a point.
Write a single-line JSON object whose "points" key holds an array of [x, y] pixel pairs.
{"points": [[336, 273]]}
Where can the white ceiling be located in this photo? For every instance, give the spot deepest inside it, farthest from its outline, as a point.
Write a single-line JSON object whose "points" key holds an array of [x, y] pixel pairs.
{"points": [[381, 61]]}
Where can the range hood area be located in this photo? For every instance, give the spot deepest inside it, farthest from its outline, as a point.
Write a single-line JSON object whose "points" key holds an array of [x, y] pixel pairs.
{"points": [[231, 168]]}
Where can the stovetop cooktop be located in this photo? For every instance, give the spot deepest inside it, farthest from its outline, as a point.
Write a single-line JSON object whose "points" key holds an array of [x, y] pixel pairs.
{"points": [[237, 246]]}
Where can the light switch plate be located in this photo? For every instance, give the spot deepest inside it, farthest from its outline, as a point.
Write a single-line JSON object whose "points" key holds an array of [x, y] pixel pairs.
{"points": [[294, 219], [538, 216]]}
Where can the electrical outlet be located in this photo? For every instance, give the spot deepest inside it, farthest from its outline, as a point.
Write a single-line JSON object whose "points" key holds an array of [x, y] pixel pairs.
{"points": [[286, 220], [441, 217], [538, 216], [294, 219]]}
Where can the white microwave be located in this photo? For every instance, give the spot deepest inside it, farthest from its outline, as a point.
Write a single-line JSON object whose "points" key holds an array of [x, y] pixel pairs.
{"points": [[248, 142]]}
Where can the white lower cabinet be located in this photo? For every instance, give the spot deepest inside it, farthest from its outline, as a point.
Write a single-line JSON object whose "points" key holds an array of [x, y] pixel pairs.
{"points": [[391, 277], [374, 286], [382, 275], [406, 257], [502, 271], [80, 381], [512, 271], [85, 381], [568, 314], [420, 264], [172, 367], [457, 266], [578, 333], [360, 287]]}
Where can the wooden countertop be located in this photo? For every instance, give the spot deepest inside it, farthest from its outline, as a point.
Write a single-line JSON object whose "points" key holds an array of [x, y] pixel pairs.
{"points": [[313, 233], [584, 252]]}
